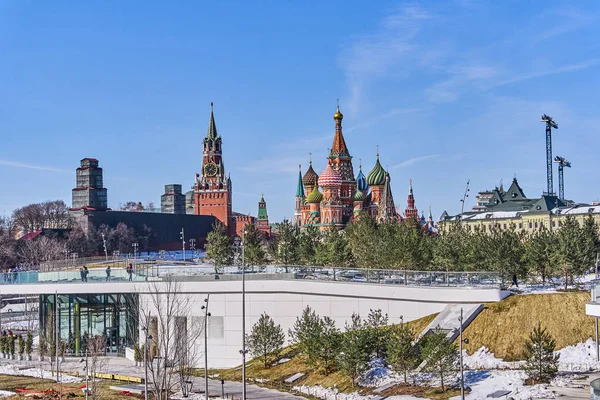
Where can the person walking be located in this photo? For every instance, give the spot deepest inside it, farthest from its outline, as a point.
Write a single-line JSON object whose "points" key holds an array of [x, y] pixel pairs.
{"points": [[108, 273], [82, 274], [130, 271], [514, 280], [86, 271]]}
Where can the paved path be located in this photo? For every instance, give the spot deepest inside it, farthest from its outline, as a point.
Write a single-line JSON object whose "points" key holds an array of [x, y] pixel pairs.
{"points": [[234, 389], [122, 366]]}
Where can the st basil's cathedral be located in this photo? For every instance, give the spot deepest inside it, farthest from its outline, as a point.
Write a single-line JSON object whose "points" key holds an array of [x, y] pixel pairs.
{"points": [[344, 197]]}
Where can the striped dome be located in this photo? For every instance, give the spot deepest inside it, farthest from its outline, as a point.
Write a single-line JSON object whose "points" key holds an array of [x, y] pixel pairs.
{"points": [[315, 196], [358, 196], [377, 175], [329, 177], [361, 181], [310, 177]]}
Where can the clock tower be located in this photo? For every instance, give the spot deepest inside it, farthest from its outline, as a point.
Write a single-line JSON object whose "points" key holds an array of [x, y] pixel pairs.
{"points": [[212, 188]]}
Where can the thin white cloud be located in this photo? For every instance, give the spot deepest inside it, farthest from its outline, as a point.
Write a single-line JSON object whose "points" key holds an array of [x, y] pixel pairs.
{"points": [[17, 164], [414, 160], [593, 62]]}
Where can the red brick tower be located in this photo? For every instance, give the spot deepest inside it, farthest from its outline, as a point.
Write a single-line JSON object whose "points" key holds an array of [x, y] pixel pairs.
{"points": [[341, 161], [262, 221], [411, 211], [212, 189]]}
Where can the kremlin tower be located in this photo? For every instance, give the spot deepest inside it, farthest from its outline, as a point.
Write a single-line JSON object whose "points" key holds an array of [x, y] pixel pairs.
{"points": [[411, 211]]}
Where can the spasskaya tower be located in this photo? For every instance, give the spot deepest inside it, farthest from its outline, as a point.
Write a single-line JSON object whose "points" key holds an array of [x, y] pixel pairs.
{"points": [[212, 188]]}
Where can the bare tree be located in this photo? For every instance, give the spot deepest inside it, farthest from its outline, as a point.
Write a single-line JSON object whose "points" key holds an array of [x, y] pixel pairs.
{"points": [[165, 314], [49, 214], [95, 346], [34, 251]]}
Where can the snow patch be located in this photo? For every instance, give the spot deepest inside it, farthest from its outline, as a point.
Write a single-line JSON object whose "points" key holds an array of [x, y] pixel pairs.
{"points": [[579, 358], [330, 394]]}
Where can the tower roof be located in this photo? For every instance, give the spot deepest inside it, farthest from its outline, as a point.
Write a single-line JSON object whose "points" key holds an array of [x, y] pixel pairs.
{"points": [[338, 148], [377, 175], [262, 209], [211, 134], [310, 177], [315, 196], [300, 187], [361, 180], [330, 177]]}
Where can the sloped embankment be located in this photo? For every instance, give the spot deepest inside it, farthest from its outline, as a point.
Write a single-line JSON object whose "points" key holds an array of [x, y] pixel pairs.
{"points": [[505, 326]]}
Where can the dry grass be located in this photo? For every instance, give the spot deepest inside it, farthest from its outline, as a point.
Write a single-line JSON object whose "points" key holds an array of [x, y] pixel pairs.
{"points": [[69, 390], [504, 327], [278, 373]]}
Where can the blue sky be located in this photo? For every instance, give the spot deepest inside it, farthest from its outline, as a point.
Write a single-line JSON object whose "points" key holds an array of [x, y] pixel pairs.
{"points": [[449, 90]]}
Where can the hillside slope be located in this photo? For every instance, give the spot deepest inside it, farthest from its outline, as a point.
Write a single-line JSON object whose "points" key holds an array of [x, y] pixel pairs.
{"points": [[503, 327]]}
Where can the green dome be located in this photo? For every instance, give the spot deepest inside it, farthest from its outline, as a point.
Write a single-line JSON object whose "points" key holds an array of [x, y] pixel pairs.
{"points": [[377, 175], [358, 196], [315, 196]]}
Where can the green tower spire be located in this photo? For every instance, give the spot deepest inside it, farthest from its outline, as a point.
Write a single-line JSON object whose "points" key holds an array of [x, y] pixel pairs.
{"points": [[300, 187]]}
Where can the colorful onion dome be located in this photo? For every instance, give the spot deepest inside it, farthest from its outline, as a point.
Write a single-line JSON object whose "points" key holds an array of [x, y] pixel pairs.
{"points": [[310, 177], [338, 114], [377, 175], [315, 196], [358, 196], [330, 177], [361, 180]]}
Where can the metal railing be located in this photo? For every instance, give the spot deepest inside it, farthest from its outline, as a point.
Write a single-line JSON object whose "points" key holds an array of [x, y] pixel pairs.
{"points": [[148, 271]]}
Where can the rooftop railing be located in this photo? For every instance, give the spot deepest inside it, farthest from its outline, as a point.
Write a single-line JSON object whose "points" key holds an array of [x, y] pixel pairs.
{"points": [[190, 273]]}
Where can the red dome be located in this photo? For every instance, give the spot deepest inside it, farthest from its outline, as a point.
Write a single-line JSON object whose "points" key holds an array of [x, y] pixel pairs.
{"points": [[329, 177]]}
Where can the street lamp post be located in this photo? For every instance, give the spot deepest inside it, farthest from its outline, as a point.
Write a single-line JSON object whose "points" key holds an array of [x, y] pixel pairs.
{"points": [[243, 317], [206, 315], [462, 371], [104, 244], [193, 247], [146, 337], [183, 242]]}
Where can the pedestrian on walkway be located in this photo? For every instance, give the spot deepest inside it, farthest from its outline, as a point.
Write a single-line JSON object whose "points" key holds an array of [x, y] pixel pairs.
{"points": [[130, 271], [86, 271], [108, 273], [82, 274]]}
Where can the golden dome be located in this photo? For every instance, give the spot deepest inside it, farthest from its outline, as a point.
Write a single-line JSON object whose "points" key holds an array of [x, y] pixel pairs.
{"points": [[338, 115]]}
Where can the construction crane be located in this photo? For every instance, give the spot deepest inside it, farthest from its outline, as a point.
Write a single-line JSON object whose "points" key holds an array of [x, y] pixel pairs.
{"points": [[549, 125], [562, 163]]}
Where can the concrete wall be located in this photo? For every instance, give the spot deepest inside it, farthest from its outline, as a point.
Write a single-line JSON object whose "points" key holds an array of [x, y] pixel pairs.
{"points": [[283, 300]]}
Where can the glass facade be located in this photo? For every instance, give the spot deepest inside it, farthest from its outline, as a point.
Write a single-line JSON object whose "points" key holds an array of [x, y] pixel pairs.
{"points": [[110, 315]]}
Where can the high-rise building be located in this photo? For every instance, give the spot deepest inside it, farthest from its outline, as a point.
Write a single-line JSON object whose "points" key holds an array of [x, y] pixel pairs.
{"points": [[89, 192]]}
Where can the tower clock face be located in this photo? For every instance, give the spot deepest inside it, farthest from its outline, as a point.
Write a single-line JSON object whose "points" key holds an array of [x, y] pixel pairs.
{"points": [[210, 169]]}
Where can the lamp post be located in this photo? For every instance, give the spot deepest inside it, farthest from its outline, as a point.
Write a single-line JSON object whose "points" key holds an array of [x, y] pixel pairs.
{"points": [[243, 317], [182, 233], [146, 337], [206, 315], [135, 249], [193, 247], [104, 244], [462, 372]]}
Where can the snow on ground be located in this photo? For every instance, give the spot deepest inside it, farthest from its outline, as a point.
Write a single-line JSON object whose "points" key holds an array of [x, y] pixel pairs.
{"points": [[582, 282], [330, 394], [378, 374], [485, 382], [580, 357], [6, 393], [405, 398], [36, 373], [21, 325], [484, 359]]}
